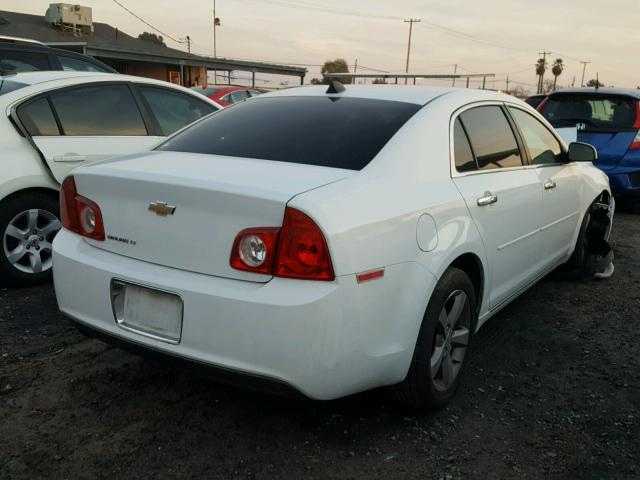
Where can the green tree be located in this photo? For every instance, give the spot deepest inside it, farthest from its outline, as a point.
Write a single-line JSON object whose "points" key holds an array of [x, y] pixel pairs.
{"points": [[152, 37], [339, 65], [594, 82], [557, 68], [541, 67]]}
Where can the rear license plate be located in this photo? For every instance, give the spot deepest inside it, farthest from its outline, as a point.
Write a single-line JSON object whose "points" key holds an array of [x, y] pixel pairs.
{"points": [[147, 311]]}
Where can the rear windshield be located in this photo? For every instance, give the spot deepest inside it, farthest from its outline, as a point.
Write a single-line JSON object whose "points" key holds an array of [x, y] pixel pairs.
{"points": [[205, 91], [325, 131], [595, 111], [7, 86]]}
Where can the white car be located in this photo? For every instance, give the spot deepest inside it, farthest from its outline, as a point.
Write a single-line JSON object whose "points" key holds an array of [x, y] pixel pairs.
{"points": [[54, 121], [329, 241]]}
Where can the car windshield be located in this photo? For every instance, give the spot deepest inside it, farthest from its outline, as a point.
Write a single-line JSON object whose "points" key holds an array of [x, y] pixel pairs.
{"points": [[325, 131], [7, 86], [595, 111]]}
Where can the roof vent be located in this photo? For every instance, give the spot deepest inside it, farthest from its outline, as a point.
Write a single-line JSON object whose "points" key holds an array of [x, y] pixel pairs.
{"points": [[335, 87]]}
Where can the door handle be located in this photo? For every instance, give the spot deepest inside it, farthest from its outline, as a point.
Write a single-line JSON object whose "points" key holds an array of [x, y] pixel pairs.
{"points": [[69, 158], [487, 199], [549, 184]]}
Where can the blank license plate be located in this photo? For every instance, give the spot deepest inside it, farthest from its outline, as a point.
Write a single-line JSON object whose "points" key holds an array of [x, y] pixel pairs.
{"points": [[147, 311]]}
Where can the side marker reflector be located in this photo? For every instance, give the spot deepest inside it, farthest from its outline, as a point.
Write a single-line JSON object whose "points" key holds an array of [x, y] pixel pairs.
{"points": [[368, 276]]}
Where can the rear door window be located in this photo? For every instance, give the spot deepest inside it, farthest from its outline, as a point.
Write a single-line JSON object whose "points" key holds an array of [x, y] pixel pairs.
{"points": [[491, 137], [14, 62], [325, 131], [174, 110], [462, 150], [38, 118], [70, 64], [7, 86], [98, 110], [595, 111], [543, 146]]}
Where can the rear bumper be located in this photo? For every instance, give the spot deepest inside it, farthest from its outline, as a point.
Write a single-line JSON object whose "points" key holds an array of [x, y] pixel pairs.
{"points": [[324, 339]]}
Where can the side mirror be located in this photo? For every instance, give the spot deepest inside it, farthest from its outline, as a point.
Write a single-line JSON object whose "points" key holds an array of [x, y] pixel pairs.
{"points": [[582, 152]]}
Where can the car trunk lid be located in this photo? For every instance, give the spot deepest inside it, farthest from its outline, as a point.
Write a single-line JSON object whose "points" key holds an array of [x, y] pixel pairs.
{"points": [[215, 197]]}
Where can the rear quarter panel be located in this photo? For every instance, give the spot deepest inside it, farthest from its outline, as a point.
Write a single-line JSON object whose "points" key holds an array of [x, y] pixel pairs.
{"points": [[371, 218]]}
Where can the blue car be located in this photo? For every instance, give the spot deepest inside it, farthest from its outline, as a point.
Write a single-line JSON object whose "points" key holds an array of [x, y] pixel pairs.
{"points": [[608, 119]]}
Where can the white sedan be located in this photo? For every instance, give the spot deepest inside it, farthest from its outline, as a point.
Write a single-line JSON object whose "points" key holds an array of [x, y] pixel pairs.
{"points": [[331, 241], [54, 121]]}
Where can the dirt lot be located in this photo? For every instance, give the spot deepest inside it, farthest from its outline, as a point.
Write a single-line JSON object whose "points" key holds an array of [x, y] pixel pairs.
{"points": [[553, 391]]}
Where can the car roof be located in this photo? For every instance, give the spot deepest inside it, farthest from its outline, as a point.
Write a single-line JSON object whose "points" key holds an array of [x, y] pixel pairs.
{"points": [[41, 76], [635, 93], [401, 93], [57, 78]]}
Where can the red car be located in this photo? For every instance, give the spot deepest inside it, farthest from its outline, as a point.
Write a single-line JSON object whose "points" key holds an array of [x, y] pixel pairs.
{"points": [[226, 95]]}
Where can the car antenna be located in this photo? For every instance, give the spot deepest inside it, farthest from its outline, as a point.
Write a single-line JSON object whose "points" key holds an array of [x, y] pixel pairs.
{"points": [[335, 87]]}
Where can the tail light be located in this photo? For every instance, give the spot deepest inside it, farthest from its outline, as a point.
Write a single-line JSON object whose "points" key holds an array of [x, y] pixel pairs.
{"points": [[297, 250], [635, 144], [254, 249], [79, 214]]}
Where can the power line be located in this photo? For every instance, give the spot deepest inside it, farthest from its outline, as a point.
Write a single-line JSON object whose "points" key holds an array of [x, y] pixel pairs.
{"points": [[147, 23]]}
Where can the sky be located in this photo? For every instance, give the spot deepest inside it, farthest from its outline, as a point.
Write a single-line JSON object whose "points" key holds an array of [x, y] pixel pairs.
{"points": [[488, 36]]}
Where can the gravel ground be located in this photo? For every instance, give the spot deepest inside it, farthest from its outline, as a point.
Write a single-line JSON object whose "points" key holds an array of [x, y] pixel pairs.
{"points": [[552, 391]]}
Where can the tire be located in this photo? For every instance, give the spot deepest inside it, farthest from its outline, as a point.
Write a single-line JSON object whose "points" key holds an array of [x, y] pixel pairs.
{"points": [[28, 224], [421, 389], [581, 264]]}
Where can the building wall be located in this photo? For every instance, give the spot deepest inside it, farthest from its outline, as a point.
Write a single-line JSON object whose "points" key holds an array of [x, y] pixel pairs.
{"points": [[160, 71]]}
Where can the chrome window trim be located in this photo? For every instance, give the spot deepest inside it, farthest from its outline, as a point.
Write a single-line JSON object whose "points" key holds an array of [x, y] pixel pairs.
{"points": [[483, 103]]}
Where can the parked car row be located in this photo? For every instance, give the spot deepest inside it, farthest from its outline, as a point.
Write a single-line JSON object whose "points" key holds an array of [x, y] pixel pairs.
{"points": [[281, 248], [329, 257]]}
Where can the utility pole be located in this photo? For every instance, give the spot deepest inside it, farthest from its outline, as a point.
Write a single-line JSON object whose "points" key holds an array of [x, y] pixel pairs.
{"points": [[507, 85], [455, 71], [411, 21], [544, 65], [188, 43], [355, 70], [584, 68], [216, 23]]}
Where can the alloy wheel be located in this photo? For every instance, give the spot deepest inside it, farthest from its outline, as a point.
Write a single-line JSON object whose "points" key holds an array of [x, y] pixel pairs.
{"points": [[27, 240], [451, 340]]}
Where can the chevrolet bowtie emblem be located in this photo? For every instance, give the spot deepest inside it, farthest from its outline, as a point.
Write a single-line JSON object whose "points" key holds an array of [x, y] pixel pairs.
{"points": [[161, 208]]}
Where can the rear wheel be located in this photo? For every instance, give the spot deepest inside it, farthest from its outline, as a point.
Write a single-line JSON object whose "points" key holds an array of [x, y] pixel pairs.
{"points": [[443, 344], [28, 224]]}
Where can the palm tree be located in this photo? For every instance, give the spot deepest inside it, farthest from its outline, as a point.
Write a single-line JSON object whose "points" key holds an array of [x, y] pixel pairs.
{"points": [[541, 67], [556, 69]]}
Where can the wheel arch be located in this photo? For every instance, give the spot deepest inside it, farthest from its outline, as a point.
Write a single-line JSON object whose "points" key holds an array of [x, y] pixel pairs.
{"points": [[471, 264], [25, 191]]}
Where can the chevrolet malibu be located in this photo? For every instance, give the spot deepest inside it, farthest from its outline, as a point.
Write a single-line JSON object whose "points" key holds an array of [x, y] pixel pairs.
{"points": [[329, 241]]}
